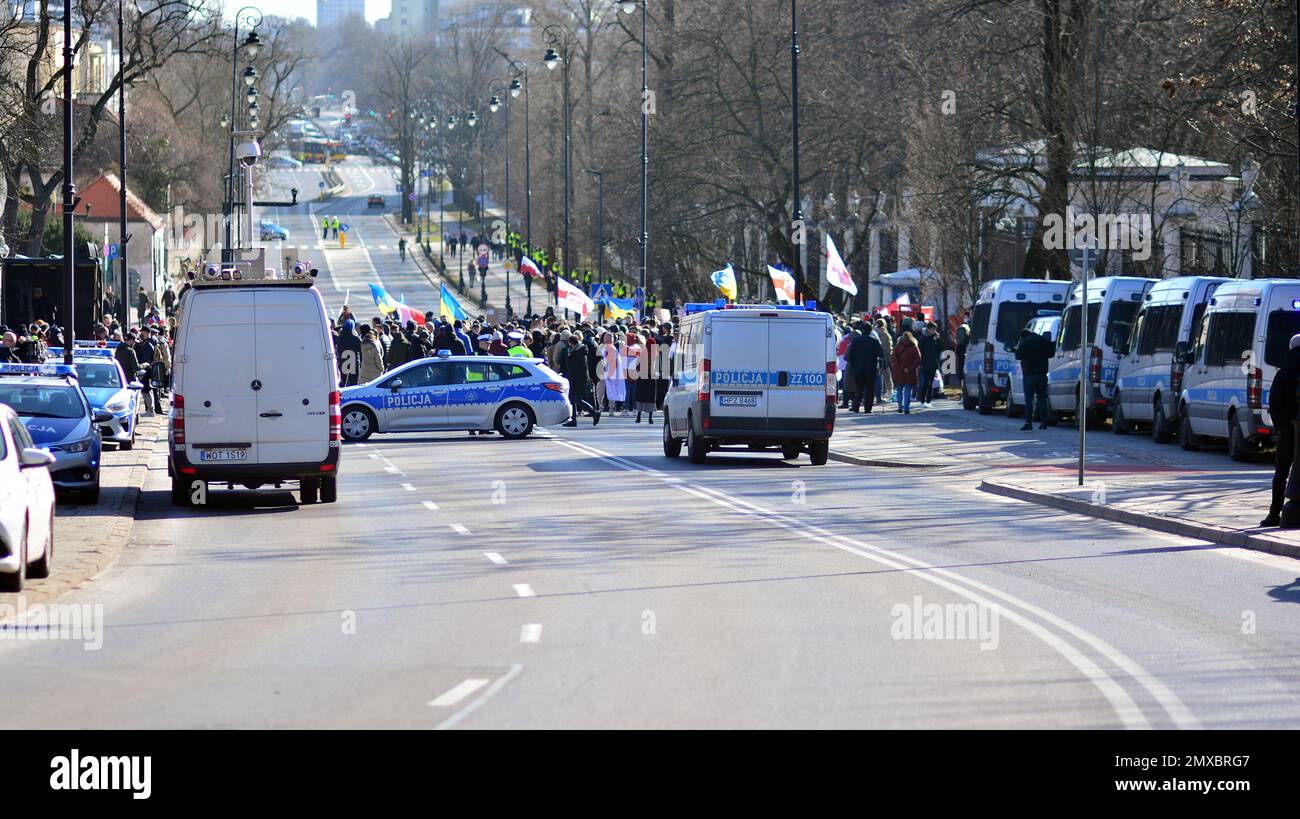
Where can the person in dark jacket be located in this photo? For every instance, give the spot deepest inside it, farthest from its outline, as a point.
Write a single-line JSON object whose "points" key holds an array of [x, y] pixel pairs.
{"points": [[863, 358], [398, 348], [575, 367], [1034, 352], [125, 355], [931, 347], [1282, 407], [349, 353]]}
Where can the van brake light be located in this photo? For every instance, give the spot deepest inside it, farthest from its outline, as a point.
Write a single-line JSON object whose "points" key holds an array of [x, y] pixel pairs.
{"points": [[1255, 389], [1094, 366], [336, 417], [988, 358], [178, 420], [830, 381], [706, 368]]}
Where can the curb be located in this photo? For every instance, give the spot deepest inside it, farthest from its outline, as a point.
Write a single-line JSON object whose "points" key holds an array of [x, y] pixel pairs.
{"points": [[1146, 520], [858, 461]]}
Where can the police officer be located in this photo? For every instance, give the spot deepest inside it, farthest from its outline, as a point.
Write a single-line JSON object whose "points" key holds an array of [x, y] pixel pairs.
{"points": [[1282, 408]]}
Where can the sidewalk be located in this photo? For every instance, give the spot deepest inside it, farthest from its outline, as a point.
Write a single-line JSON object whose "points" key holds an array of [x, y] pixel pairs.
{"points": [[1129, 479], [88, 538]]}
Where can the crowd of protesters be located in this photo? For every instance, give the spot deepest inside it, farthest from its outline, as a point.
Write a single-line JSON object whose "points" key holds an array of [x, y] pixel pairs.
{"points": [[880, 361]]}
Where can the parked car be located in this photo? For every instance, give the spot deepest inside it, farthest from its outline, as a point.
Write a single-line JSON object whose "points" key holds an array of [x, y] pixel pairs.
{"points": [[272, 230], [26, 505], [58, 418]]}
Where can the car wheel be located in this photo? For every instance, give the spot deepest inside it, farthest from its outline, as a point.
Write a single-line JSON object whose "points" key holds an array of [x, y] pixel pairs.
{"points": [[514, 421], [968, 402], [1013, 409], [985, 404], [820, 451], [1160, 425], [672, 446], [329, 489], [696, 449], [1120, 424], [791, 451], [1186, 438], [41, 568], [308, 489], [1239, 449], [14, 582], [358, 424]]}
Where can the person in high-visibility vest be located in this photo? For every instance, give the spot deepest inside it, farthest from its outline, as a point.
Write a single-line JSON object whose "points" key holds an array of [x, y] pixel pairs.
{"points": [[517, 348]]}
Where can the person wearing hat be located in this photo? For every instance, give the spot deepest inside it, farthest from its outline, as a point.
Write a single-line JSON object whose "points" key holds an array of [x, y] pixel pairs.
{"points": [[1282, 407], [517, 347]]}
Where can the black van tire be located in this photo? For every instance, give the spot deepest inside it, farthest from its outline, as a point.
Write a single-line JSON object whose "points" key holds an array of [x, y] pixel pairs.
{"points": [[309, 490], [967, 402], [1186, 438], [791, 451], [1238, 448], [672, 446], [180, 491], [819, 451], [985, 405], [696, 449], [1119, 424], [329, 489], [1160, 432], [1014, 410]]}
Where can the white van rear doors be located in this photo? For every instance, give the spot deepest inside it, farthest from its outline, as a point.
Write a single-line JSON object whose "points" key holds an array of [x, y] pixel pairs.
{"points": [[797, 354], [292, 375], [218, 368], [738, 371]]}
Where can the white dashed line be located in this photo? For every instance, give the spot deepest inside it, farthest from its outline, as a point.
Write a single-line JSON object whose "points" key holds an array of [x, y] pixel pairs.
{"points": [[502, 682], [392, 470], [496, 558], [430, 505], [458, 529], [531, 633], [460, 692], [408, 487], [524, 590]]}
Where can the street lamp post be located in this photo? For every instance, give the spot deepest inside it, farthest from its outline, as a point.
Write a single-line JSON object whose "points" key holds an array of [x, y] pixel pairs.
{"points": [[555, 35], [471, 121], [521, 70], [69, 193], [801, 252], [600, 226], [498, 88], [628, 7], [124, 316], [251, 17]]}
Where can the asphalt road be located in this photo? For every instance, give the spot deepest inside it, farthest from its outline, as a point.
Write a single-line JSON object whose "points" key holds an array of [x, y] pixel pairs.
{"points": [[580, 579]]}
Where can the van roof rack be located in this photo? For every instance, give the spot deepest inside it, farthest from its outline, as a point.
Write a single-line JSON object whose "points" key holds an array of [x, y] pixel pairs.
{"points": [[694, 307], [249, 273]]}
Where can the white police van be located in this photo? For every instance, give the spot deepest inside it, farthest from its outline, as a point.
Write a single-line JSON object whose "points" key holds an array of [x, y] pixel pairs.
{"points": [[505, 393], [1047, 325], [1113, 303], [1003, 308], [255, 396], [754, 375], [1241, 342], [1149, 379]]}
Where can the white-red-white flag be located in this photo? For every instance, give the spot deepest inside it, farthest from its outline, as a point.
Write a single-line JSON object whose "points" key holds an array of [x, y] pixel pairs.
{"points": [[837, 273], [570, 296], [783, 282], [529, 268]]}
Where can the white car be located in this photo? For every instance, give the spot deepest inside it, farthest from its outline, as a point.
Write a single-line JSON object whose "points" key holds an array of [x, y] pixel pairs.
{"points": [[26, 505], [282, 161]]}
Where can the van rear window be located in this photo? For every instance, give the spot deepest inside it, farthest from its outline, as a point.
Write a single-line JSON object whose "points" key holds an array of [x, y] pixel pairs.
{"points": [[1282, 324], [1229, 338], [1159, 328], [1071, 332], [1119, 324], [979, 326]]}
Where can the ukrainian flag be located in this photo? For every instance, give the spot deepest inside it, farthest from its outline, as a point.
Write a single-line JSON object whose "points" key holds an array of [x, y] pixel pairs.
{"points": [[618, 308], [725, 281], [450, 309]]}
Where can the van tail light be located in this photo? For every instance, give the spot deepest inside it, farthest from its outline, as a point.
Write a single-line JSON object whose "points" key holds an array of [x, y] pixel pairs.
{"points": [[988, 358], [830, 381], [1094, 366], [336, 417], [178, 420], [1176, 378], [1255, 389], [706, 370]]}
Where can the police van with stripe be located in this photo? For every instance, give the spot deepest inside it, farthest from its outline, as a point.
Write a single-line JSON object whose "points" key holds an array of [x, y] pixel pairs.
{"points": [[1003, 308], [754, 375]]}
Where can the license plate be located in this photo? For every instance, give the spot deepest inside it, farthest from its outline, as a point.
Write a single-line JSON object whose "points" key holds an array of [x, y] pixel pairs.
{"points": [[738, 400], [223, 455]]}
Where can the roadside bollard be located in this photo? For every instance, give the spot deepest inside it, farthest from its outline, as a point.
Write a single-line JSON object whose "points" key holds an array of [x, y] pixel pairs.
{"points": [[1291, 509]]}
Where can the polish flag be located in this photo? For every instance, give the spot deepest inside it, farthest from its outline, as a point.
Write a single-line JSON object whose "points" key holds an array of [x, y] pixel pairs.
{"points": [[570, 296], [529, 268], [836, 271]]}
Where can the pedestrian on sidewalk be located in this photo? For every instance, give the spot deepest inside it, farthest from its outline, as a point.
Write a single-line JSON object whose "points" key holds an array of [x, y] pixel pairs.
{"points": [[1282, 408], [905, 365], [884, 379], [864, 357], [1034, 352], [401, 248]]}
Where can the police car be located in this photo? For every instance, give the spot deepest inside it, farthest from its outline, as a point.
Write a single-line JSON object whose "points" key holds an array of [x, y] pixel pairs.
{"points": [[508, 394], [59, 419], [106, 387]]}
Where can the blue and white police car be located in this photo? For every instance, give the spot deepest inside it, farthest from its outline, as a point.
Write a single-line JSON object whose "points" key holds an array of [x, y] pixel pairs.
{"points": [[106, 387], [508, 394], [59, 419]]}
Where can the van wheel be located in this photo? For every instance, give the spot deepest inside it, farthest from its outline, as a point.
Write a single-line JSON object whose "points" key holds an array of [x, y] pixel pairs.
{"points": [[329, 489], [985, 405], [967, 401], [1238, 448], [820, 451], [1120, 424], [358, 424], [672, 446], [14, 582], [1186, 438], [696, 449], [514, 421], [180, 491], [41, 568], [791, 451], [1160, 431], [308, 489]]}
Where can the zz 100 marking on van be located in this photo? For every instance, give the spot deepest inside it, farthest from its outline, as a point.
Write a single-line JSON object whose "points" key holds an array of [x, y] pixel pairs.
{"points": [[796, 379]]}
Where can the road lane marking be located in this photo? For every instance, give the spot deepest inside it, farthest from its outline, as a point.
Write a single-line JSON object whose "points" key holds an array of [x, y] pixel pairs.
{"points": [[408, 487], [493, 690], [496, 558], [458, 529], [1123, 705], [460, 692], [430, 505], [524, 590], [530, 633]]}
